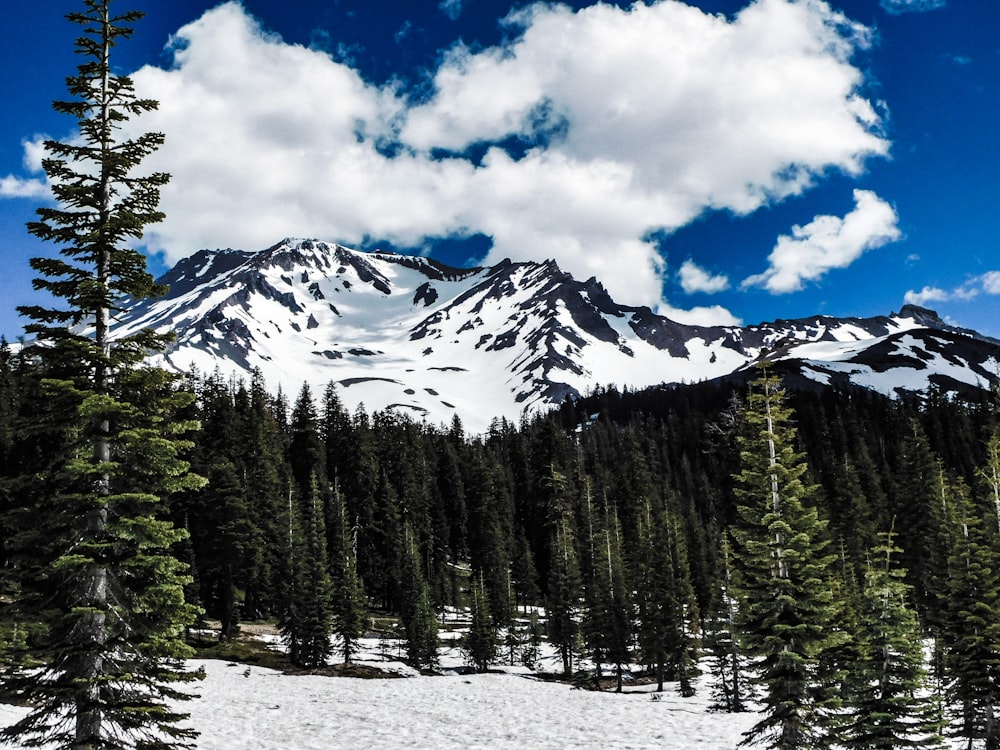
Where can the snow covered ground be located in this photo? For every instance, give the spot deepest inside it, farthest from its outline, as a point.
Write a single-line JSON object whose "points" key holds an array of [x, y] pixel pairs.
{"points": [[254, 708], [261, 709], [272, 711]]}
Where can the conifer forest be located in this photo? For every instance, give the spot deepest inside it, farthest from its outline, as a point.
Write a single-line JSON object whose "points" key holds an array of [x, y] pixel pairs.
{"points": [[828, 559], [829, 556]]}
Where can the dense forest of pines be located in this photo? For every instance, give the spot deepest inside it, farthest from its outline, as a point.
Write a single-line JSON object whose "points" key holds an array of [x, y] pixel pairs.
{"points": [[833, 557], [647, 525]]}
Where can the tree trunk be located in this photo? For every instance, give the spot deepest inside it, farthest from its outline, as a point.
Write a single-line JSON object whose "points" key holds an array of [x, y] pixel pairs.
{"points": [[93, 624], [92, 628]]}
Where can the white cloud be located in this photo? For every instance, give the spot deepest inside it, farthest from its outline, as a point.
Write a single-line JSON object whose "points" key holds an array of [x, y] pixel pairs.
{"points": [[267, 139], [895, 7], [694, 279], [714, 315], [12, 186], [988, 283], [826, 243], [34, 152], [968, 291], [925, 295], [705, 112], [659, 112], [991, 282], [15, 187]]}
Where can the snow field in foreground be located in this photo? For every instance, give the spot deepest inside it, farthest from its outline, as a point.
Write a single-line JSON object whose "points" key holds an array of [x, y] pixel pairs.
{"points": [[273, 711], [475, 711]]}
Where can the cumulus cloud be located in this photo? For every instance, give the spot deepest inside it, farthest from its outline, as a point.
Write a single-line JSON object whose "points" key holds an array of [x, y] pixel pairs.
{"points": [[636, 120], [991, 282], [16, 187], [705, 112], [12, 186], [925, 295], [826, 243], [714, 315], [987, 283], [694, 279], [895, 7]]}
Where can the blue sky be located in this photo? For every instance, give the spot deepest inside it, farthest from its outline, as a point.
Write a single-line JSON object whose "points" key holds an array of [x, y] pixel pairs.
{"points": [[720, 161]]}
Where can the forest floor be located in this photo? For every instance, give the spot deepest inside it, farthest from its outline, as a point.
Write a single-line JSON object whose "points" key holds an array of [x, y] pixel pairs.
{"points": [[252, 699]]}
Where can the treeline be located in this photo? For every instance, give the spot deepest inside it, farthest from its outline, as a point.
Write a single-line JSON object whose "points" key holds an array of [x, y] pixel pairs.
{"points": [[634, 519]]}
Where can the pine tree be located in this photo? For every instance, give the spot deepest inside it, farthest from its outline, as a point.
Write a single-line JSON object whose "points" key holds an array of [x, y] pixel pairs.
{"points": [[922, 507], [489, 532], [265, 480], [971, 631], [564, 589], [481, 642], [349, 610], [667, 603], [417, 611], [990, 477], [8, 405], [891, 707], [116, 612], [729, 665], [336, 434], [787, 614], [306, 623], [523, 572], [222, 555], [607, 620]]}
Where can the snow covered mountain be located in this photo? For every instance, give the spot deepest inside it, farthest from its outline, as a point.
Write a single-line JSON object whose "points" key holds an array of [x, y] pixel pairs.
{"points": [[415, 335]]}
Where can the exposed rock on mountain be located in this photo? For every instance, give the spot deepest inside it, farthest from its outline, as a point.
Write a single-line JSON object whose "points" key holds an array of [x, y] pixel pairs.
{"points": [[415, 335]]}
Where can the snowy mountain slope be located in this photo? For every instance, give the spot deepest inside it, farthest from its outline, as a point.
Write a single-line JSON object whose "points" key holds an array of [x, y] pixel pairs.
{"points": [[433, 341]]}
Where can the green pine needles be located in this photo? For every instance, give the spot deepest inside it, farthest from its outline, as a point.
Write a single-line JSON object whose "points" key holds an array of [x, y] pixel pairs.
{"points": [[787, 612], [98, 584], [890, 686]]}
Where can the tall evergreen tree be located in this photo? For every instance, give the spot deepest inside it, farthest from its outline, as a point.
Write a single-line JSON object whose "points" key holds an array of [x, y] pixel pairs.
{"points": [[265, 480], [564, 585], [307, 619], [306, 622], [971, 631], [225, 532], [336, 433], [780, 550], [922, 506], [607, 619], [417, 611], [730, 668], [990, 477], [115, 635], [481, 642], [891, 704], [489, 532], [523, 572], [666, 603], [349, 610]]}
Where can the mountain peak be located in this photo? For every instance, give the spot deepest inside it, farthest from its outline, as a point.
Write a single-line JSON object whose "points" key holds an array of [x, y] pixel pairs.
{"points": [[433, 341], [924, 315]]}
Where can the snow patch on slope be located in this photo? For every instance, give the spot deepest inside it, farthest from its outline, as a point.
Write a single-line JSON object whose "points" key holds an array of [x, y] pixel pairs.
{"points": [[435, 342]]}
